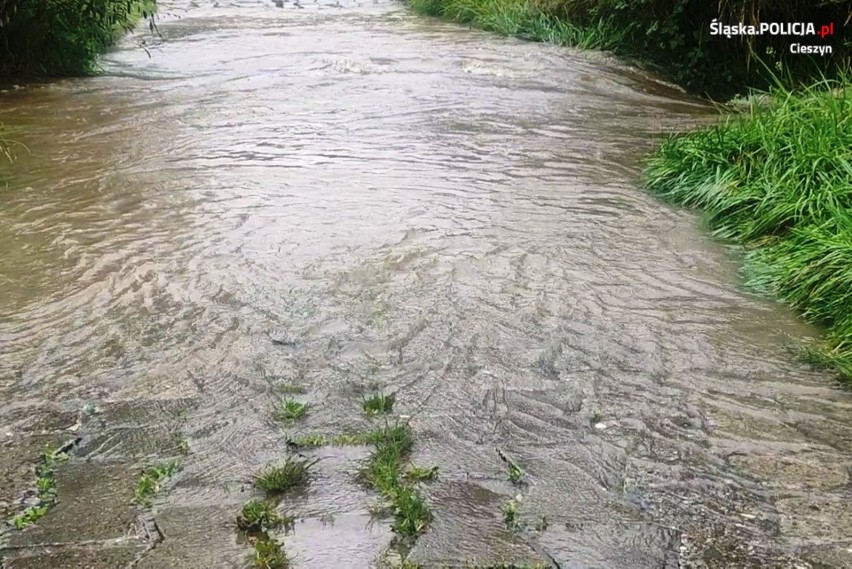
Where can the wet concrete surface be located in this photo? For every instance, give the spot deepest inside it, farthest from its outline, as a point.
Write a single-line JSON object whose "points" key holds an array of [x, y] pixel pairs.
{"points": [[406, 206]]}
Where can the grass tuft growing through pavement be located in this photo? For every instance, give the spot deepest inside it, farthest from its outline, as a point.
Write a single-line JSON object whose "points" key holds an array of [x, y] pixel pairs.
{"points": [[290, 410], [379, 404], [260, 515], [269, 555], [392, 445], [151, 481], [46, 486], [284, 476]]}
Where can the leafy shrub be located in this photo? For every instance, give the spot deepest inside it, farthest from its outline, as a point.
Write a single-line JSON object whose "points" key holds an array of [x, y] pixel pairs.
{"points": [[62, 37]]}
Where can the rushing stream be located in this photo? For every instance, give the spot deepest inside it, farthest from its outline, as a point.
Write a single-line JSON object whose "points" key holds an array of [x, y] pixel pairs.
{"points": [[403, 205]]}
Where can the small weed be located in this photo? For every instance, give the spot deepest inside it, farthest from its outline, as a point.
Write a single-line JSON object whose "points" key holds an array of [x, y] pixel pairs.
{"points": [[46, 486], [410, 511], [419, 473], [290, 388], [29, 516], [283, 477], [181, 443], [379, 404], [290, 410], [151, 481], [515, 473], [269, 555], [510, 514], [596, 416], [260, 515]]}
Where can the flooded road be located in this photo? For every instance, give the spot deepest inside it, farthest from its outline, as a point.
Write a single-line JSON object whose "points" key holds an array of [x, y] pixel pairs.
{"points": [[348, 198]]}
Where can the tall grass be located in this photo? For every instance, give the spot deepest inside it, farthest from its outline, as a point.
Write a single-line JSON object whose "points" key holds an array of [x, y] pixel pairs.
{"points": [[672, 35], [522, 19], [62, 37], [5, 151], [778, 179]]}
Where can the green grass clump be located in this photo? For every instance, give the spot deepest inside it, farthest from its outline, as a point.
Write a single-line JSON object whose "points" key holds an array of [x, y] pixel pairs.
{"points": [[46, 486], [260, 515], [383, 472], [778, 180], [411, 513], [151, 481], [510, 514], [284, 476], [30, 516], [515, 473], [269, 555], [396, 439], [421, 473], [290, 410], [379, 404]]}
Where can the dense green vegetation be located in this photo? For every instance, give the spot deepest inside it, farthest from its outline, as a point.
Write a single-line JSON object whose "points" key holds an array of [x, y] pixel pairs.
{"points": [[778, 180], [672, 35], [62, 37]]}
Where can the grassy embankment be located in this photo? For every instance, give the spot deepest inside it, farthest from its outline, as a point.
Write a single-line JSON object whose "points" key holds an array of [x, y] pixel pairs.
{"points": [[62, 37], [777, 178], [672, 36]]}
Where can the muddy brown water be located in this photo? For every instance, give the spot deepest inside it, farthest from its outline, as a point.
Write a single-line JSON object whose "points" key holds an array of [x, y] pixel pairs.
{"points": [[403, 205]]}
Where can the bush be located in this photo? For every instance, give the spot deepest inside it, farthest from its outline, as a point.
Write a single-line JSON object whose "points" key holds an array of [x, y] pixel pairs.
{"points": [[62, 37]]}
